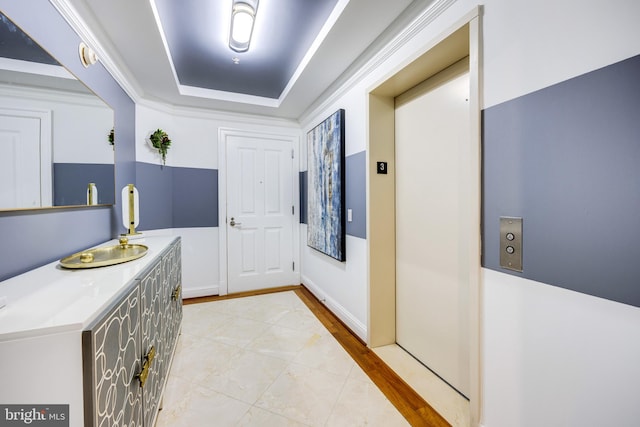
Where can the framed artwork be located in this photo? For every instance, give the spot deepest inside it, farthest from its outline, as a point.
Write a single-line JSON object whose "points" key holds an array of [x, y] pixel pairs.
{"points": [[325, 197]]}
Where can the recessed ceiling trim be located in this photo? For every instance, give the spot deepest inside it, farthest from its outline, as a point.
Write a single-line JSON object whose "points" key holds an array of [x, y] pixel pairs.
{"points": [[244, 98], [165, 44], [203, 92], [228, 96], [324, 31]]}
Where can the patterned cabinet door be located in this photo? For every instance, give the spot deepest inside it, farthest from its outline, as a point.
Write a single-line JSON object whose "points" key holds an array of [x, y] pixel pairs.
{"points": [[111, 364], [177, 305], [152, 349], [172, 265]]}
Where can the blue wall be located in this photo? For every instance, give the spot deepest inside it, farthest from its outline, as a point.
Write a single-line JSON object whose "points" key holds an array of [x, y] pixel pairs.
{"points": [[195, 197], [304, 185], [40, 236], [567, 160], [355, 194], [70, 183], [155, 188], [175, 197]]}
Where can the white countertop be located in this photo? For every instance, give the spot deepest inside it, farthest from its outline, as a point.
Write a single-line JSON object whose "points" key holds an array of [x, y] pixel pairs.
{"points": [[52, 299]]}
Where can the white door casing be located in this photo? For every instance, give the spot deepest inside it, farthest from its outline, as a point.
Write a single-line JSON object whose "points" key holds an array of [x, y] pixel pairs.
{"points": [[259, 184], [26, 164], [432, 240]]}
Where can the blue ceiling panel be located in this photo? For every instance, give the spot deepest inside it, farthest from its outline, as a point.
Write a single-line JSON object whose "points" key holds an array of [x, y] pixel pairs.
{"points": [[196, 33]]}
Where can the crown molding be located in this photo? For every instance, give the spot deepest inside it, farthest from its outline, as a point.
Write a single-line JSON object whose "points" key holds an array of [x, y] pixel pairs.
{"points": [[219, 115], [313, 49]]}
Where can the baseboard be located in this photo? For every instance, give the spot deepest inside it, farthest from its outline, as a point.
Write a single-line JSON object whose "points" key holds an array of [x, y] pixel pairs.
{"points": [[200, 292], [357, 327]]}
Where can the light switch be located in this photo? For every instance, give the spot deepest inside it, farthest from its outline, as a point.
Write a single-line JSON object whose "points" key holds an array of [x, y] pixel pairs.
{"points": [[511, 243], [349, 215]]}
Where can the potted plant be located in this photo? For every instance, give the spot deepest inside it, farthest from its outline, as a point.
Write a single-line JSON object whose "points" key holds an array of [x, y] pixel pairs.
{"points": [[161, 142], [111, 137]]}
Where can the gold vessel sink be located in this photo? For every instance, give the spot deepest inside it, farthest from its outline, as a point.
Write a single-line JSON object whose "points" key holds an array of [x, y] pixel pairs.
{"points": [[108, 255]]}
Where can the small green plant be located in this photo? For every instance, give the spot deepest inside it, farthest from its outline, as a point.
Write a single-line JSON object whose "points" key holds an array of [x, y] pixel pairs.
{"points": [[111, 137], [160, 141]]}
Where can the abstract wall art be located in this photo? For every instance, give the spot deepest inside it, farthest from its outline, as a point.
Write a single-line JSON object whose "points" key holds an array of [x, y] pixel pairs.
{"points": [[326, 197]]}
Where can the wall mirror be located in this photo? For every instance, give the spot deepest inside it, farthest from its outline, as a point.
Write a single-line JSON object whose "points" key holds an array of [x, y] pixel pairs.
{"points": [[54, 131]]}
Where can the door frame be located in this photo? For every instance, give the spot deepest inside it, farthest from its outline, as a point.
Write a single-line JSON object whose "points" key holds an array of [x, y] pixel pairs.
{"points": [[223, 136], [460, 40]]}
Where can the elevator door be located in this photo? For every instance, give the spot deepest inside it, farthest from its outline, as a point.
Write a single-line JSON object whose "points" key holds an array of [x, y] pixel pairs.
{"points": [[432, 179]]}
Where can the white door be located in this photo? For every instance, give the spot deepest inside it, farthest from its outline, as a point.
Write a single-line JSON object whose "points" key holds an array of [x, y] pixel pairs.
{"points": [[432, 133], [20, 162], [259, 213]]}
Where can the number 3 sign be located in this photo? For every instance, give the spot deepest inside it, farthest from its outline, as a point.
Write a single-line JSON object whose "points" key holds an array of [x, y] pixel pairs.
{"points": [[382, 168]]}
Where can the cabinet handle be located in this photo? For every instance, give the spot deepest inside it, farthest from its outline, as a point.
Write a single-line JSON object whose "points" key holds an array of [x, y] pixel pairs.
{"points": [[175, 295], [146, 366]]}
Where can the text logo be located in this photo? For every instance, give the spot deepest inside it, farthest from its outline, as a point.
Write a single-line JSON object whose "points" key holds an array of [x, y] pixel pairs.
{"points": [[34, 415]]}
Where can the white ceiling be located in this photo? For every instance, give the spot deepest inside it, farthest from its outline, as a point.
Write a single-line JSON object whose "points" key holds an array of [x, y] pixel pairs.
{"points": [[130, 37]]}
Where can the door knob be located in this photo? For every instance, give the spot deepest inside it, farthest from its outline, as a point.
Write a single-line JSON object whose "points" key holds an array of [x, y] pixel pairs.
{"points": [[233, 222]]}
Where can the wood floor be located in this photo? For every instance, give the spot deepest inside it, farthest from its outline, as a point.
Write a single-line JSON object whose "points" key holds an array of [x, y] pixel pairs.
{"points": [[404, 398]]}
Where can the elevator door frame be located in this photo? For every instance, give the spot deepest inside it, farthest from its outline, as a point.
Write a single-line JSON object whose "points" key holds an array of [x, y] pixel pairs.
{"points": [[460, 40]]}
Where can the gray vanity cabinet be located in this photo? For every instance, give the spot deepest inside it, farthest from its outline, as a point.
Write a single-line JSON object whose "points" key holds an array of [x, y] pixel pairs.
{"points": [[111, 362], [127, 352]]}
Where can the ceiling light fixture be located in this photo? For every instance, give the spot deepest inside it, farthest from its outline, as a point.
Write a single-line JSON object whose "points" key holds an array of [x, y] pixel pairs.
{"points": [[242, 18], [87, 55]]}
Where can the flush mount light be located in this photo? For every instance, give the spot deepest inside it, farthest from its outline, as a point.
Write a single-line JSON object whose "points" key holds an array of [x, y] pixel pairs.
{"points": [[242, 17], [87, 55]]}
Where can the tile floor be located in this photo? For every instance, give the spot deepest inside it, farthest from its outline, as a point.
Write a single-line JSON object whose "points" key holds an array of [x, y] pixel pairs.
{"points": [[266, 361]]}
